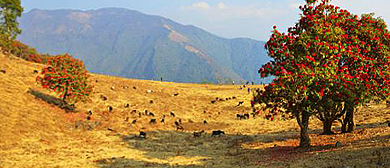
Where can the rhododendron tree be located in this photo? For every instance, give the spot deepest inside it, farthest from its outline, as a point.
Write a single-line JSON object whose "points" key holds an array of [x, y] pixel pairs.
{"points": [[328, 64], [68, 77]]}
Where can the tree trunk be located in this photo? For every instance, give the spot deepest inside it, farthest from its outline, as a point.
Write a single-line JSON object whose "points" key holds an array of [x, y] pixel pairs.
{"points": [[327, 127], [348, 124], [65, 95], [351, 123], [304, 138]]}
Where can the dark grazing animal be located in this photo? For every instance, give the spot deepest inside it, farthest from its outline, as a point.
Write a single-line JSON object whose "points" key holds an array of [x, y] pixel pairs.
{"points": [[151, 101], [173, 114], [153, 121], [3, 71], [198, 134], [110, 108], [204, 122], [177, 123], [134, 121], [151, 114], [133, 111], [104, 98], [213, 101], [253, 114], [388, 124], [217, 132], [240, 103], [162, 120], [233, 97], [127, 105], [175, 94], [134, 87], [179, 128], [89, 112], [246, 116], [89, 117], [239, 116], [36, 71], [142, 134]]}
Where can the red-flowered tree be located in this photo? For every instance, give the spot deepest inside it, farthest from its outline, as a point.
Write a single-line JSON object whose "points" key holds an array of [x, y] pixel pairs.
{"points": [[328, 64], [68, 77]]}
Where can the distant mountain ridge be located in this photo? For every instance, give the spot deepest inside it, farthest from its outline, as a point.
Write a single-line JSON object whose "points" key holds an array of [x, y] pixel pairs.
{"points": [[122, 42]]}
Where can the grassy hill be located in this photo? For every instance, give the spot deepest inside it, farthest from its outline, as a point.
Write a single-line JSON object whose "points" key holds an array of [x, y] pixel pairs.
{"points": [[34, 133]]}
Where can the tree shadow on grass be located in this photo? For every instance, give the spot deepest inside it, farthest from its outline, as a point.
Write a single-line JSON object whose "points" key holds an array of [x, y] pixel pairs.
{"points": [[279, 149], [128, 162], [181, 149], [52, 100]]}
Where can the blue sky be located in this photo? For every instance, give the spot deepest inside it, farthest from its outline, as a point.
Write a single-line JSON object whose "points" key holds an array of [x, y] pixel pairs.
{"points": [[225, 18]]}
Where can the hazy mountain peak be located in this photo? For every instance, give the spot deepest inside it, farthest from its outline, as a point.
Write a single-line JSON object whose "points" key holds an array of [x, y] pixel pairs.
{"points": [[123, 42]]}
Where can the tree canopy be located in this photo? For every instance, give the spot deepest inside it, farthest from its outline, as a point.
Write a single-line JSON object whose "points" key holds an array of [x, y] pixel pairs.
{"points": [[10, 10], [330, 62]]}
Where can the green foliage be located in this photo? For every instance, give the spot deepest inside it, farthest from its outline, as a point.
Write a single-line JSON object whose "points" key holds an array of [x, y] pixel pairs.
{"points": [[329, 62], [10, 10], [68, 77]]}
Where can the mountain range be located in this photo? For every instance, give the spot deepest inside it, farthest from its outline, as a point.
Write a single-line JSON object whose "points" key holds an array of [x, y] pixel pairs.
{"points": [[128, 43]]}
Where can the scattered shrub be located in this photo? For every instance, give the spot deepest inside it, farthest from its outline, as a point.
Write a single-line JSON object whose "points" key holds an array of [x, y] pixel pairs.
{"points": [[68, 77]]}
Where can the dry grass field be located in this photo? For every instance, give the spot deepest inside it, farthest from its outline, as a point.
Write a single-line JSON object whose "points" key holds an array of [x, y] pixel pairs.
{"points": [[35, 133]]}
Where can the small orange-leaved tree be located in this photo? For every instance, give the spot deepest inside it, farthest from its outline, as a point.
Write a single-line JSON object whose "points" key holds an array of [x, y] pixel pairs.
{"points": [[68, 77]]}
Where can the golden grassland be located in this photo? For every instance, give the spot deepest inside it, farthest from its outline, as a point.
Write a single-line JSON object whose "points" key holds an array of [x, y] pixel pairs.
{"points": [[35, 133]]}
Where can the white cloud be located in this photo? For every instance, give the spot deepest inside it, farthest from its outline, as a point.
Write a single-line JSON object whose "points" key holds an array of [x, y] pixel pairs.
{"points": [[197, 6], [222, 6], [221, 10]]}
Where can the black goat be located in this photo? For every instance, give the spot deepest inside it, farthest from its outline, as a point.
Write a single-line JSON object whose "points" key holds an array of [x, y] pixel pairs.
{"points": [[246, 116], [240, 103], [177, 123], [217, 132], [239, 116], [110, 108], [198, 134], [104, 98], [179, 128], [127, 105], [173, 114], [151, 114], [142, 134]]}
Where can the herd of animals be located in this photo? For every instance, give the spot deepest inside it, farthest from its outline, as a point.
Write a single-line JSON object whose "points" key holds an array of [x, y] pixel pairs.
{"points": [[177, 123]]}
